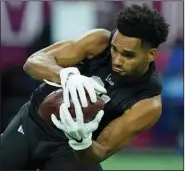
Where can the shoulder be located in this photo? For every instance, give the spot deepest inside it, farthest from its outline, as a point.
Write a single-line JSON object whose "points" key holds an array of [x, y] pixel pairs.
{"points": [[91, 36], [96, 41], [149, 100], [151, 84], [149, 88], [144, 113], [98, 35], [154, 103]]}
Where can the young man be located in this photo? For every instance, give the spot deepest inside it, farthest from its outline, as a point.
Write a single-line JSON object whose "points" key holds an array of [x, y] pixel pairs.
{"points": [[123, 62]]}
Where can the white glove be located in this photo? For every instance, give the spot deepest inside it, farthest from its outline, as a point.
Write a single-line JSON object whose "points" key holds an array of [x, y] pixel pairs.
{"points": [[78, 132], [72, 82], [64, 75]]}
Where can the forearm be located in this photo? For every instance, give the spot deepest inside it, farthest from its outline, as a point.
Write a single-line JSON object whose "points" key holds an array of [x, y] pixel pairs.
{"points": [[45, 63], [43, 67], [96, 153], [109, 142]]}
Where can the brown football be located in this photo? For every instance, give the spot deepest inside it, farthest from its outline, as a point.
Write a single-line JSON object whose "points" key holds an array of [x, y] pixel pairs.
{"points": [[51, 105]]}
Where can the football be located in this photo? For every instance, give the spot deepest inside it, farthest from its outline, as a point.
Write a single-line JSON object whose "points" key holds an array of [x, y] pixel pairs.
{"points": [[51, 105]]}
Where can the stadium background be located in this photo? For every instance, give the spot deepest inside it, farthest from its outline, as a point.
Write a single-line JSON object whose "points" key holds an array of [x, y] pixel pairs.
{"points": [[30, 26]]}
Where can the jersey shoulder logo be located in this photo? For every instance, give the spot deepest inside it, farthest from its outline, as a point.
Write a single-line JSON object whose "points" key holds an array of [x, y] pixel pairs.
{"points": [[108, 79], [20, 129]]}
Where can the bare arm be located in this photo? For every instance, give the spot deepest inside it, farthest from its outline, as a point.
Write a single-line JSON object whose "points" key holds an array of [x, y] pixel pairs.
{"points": [[120, 132], [47, 63]]}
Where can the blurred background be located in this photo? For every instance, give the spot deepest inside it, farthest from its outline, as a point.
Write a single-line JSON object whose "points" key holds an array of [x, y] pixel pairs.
{"points": [[28, 26]]}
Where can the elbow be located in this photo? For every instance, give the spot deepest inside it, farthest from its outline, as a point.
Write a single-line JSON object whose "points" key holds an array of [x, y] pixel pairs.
{"points": [[34, 61], [33, 65], [27, 67]]}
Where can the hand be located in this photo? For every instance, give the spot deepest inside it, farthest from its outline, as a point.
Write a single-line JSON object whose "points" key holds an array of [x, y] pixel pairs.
{"points": [[64, 75], [72, 82], [78, 132]]}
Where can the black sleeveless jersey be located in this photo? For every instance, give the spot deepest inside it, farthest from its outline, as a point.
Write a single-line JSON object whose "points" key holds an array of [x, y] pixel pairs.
{"points": [[122, 94]]}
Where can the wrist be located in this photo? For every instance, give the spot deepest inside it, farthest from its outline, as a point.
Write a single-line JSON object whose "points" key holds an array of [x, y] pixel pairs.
{"points": [[96, 153], [56, 75], [86, 143]]}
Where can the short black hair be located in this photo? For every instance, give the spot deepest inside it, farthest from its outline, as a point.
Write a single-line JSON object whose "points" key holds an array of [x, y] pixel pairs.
{"points": [[143, 23]]}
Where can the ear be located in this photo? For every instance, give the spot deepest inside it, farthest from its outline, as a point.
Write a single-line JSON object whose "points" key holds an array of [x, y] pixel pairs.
{"points": [[152, 54]]}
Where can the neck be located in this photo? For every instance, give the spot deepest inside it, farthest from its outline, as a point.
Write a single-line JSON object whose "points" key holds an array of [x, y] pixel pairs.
{"points": [[144, 70]]}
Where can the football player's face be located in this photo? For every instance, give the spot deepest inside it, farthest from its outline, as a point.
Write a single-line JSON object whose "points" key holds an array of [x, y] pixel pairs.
{"points": [[128, 58]]}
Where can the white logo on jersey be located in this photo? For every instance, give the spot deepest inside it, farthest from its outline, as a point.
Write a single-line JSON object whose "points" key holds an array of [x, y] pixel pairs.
{"points": [[108, 79], [20, 130]]}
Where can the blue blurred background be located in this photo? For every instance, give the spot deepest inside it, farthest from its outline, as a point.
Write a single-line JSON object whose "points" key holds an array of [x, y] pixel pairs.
{"points": [[27, 27]]}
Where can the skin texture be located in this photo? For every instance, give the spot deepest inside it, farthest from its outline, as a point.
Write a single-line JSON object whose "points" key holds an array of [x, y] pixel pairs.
{"points": [[130, 60], [47, 63], [140, 117]]}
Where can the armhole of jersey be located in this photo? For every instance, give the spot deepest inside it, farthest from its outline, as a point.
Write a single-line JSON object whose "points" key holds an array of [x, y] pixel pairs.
{"points": [[149, 92], [153, 88]]}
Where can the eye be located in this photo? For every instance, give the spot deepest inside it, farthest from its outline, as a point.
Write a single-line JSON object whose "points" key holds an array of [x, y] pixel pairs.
{"points": [[128, 55], [114, 48]]}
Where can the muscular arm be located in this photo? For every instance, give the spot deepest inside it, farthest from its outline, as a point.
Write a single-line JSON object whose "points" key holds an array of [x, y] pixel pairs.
{"points": [[47, 63], [120, 132]]}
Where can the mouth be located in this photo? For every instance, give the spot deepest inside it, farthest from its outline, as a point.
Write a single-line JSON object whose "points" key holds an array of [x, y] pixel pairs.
{"points": [[116, 70]]}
